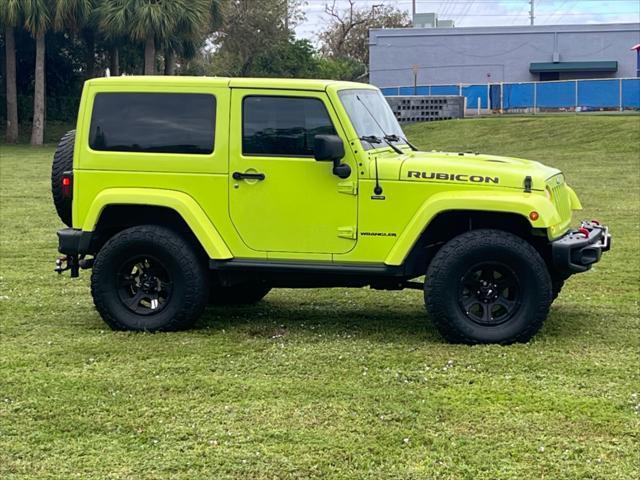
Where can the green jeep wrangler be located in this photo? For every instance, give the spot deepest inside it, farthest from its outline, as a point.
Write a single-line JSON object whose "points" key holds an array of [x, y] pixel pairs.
{"points": [[181, 191]]}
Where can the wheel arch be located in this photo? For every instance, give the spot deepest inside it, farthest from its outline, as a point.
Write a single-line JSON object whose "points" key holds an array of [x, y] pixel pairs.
{"points": [[517, 203], [447, 224], [115, 209]]}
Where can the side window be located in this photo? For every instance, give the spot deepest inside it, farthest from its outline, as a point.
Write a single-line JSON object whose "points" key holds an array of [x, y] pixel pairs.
{"points": [[283, 126], [153, 122]]}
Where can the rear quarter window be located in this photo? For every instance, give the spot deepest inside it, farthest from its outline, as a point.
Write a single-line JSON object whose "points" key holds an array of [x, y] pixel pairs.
{"points": [[153, 122]]}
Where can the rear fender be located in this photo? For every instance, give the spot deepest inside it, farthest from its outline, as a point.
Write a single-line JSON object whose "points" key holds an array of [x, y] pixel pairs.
{"points": [[519, 203], [182, 203]]}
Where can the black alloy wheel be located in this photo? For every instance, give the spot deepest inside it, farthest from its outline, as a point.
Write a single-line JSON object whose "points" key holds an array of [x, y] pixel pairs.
{"points": [[144, 285], [489, 293]]}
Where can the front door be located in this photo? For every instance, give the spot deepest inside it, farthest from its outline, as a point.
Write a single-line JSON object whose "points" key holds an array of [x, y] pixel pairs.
{"points": [[282, 199]]}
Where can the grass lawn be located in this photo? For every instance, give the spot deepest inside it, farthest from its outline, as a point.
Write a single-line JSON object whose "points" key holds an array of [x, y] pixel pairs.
{"points": [[333, 383]]}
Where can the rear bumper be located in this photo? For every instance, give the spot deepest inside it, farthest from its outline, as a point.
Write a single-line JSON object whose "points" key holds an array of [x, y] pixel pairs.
{"points": [[72, 241], [579, 249]]}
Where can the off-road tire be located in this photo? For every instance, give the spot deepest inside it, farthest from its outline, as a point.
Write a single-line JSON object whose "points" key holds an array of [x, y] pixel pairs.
{"points": [[243, 294], [188, 273], [444, 279], [62, 162], [556, 286]]}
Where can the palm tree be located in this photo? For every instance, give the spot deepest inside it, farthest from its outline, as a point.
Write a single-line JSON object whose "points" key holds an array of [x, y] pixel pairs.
{"points": [[175, 25], [37, 20], [10, 12], [149, 21], [80, 17], [195, 20]]}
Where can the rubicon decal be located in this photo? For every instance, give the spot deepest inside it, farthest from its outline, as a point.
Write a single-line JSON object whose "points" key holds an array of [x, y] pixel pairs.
{"points": [[454, 177]]}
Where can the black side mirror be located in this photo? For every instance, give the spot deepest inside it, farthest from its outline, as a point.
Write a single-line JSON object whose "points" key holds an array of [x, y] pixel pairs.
{"points": [[329, 148]]}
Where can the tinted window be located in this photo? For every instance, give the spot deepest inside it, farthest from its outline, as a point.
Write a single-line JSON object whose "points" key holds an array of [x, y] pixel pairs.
{"points": [[283, 125], [153, 122]]}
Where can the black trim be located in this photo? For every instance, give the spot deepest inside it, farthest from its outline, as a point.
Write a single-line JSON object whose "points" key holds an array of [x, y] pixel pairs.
{"points": [[278, 266], [72, 241], [574, 252], [288, 274]]}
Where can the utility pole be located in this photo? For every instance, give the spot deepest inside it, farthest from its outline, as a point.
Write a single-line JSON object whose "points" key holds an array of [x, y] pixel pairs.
{"points": [[532, 11], [413, 8]]}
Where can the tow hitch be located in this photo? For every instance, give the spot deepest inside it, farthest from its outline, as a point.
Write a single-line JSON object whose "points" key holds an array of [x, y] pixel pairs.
{"points": [[68, 262], [73, 263]]}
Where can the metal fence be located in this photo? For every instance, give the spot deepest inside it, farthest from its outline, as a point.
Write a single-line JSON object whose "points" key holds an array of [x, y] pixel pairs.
{"points": [[564, 95]]}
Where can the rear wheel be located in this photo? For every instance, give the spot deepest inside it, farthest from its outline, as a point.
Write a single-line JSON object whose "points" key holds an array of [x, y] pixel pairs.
{"points": [[246, 293], [149, 278], [488, 286]]}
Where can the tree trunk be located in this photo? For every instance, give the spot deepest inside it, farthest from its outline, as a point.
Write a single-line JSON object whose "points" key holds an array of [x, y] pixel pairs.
{"points": [[37, 128], [115, 62], [90, 59], [169, 62], [12, 96], [150, 56]]}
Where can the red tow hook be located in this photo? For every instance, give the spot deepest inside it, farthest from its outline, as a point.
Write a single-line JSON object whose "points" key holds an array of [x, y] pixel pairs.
{"points": [[584, 231]]}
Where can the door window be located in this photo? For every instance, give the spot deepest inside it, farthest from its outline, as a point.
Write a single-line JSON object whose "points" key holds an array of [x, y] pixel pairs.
{"points": [[282, 126]]}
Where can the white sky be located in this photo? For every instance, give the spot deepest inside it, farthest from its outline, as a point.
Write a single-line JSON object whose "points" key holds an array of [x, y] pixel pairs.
{"points": [[468, 13]]}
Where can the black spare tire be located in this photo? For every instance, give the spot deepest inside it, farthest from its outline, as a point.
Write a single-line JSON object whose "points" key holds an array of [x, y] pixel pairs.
{"points": [[62, 162]]}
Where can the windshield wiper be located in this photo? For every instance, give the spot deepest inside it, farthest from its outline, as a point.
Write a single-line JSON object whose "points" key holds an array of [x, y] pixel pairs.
{"points": [[395, 138], [371, 139], [393, 147]]}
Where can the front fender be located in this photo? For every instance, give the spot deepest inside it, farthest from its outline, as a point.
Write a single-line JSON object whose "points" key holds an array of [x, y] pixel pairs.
{"points": [[182, 203], [507, 202]]}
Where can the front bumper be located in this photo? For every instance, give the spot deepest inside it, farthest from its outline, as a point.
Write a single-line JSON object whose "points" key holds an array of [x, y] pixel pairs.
{"points": [[579, 249]]}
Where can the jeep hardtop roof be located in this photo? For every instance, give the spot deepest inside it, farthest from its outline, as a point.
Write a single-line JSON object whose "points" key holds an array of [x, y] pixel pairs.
{"points": [[267, 83]]}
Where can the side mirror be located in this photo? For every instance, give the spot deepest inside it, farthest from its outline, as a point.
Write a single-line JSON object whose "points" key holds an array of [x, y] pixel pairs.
{"points": [[329, 148]]}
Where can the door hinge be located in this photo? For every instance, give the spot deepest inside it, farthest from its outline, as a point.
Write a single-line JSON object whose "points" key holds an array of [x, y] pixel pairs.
{"points": [[348, 188], [347, 232]]}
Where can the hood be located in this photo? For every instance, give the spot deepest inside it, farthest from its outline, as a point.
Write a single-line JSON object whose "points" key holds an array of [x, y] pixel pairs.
{"points": [[468, 168]]}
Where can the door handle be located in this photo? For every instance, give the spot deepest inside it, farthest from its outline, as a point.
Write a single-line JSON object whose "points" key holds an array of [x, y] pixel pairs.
{"points": [[248, 176]]}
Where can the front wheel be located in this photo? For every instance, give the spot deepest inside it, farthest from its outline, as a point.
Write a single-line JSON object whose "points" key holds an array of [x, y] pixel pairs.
{"points": [[149, 278], [488, 286]]}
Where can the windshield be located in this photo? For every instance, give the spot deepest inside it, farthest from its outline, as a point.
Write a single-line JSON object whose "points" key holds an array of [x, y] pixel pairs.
{"points": [[365, 121]]}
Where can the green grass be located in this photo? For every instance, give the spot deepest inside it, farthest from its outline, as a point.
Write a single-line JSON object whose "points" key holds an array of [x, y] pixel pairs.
{"points": [[332, 383]]}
